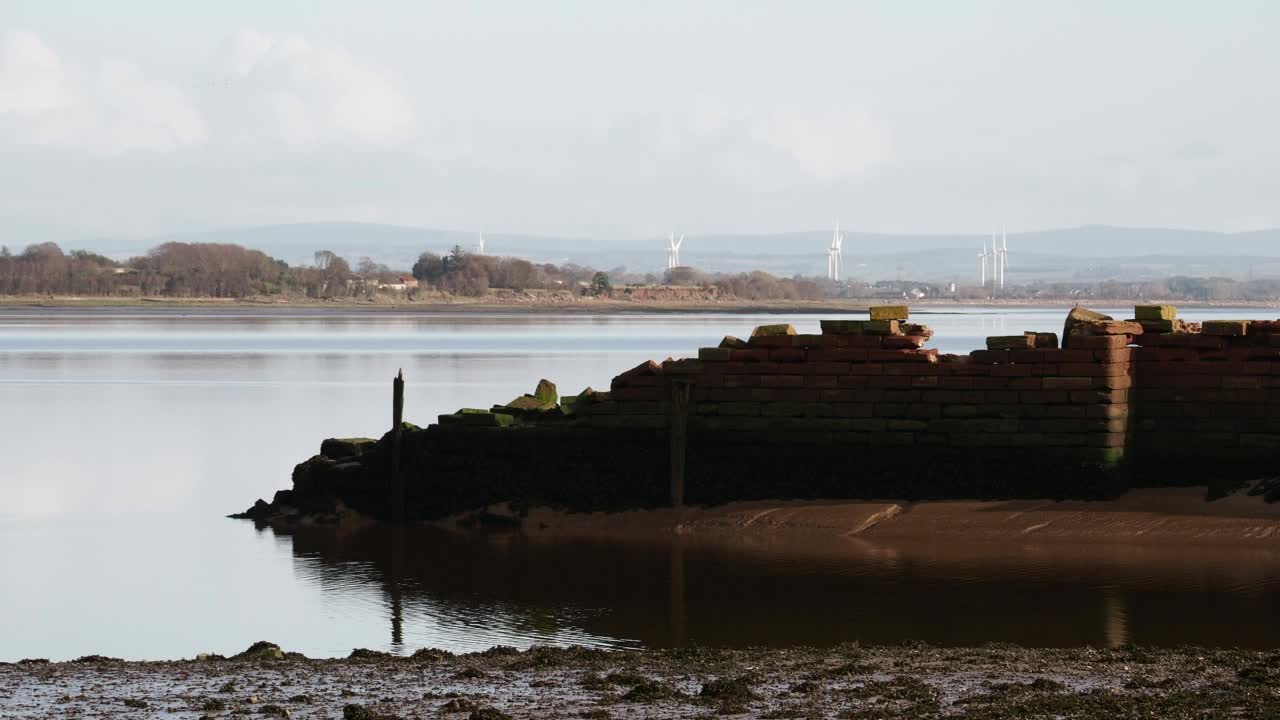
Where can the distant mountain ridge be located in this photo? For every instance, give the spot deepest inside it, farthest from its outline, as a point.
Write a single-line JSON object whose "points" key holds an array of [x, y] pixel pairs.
{"points": [[1062, 254]]}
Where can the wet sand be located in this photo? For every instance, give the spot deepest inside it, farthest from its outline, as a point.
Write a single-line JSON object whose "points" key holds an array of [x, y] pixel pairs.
{"points": [[1168, 516], [912, 681]]}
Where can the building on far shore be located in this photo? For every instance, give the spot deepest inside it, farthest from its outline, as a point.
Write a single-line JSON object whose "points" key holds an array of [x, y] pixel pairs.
{"points": [[401, 283]]}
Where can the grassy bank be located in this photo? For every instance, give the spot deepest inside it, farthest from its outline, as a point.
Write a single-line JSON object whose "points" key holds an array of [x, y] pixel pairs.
{"points": [[911, 681]]}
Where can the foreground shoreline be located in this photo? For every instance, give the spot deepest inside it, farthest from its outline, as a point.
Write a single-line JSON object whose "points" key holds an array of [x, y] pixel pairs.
{"points": [[583, 305], [907, 681]]}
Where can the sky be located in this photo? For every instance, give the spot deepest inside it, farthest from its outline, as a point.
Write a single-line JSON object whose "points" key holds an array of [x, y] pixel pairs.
{"points": [[610, 120]]}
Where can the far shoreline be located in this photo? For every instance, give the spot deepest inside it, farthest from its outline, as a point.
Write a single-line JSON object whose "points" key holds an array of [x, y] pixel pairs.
{"points": [[583, 306]]}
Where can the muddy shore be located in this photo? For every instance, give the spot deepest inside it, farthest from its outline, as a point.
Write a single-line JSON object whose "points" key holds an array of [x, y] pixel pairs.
{"points": [[908, 681], [1164, 516]]}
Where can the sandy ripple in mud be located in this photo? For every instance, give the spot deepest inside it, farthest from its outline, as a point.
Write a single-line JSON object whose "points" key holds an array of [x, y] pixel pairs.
{"points": [[846, 682]]}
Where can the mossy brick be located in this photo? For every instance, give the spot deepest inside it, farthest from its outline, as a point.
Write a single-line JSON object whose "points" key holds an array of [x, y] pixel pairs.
{"points": [[1160, 326], [773, 330], [889, 312], [842, 327], [732, 343], [1011, 342], [882, 327], [527, 402], [1225, 328], [546, 391], [1155, 312], [718, 354]]}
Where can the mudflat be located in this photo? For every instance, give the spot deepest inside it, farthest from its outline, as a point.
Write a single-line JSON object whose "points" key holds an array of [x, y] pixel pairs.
{"points": [[909, 681], [1167, 516]]}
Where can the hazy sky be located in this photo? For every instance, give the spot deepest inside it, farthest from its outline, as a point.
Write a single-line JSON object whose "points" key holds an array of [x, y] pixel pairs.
{"points": [[613, 119]]}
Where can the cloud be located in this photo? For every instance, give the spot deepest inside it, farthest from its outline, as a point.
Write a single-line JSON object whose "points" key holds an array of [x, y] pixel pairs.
{"points": [[109, 108], [829, 143], [316, 94]]}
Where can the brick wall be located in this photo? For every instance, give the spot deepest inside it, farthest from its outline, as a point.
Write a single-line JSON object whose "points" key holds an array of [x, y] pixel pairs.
{"points": [[867, 411]]}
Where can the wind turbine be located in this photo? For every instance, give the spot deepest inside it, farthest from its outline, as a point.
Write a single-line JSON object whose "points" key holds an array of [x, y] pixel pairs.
{"points": [[480, 246], [982, 260], [1004, 255], [673, 251], [834, 260]]}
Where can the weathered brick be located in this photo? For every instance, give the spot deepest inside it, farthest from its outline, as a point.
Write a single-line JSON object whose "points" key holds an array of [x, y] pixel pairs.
{"points": [[889, 312], [1228, 328], [1155, 312], [1011, 342], [770, 330], [713, 354], [902, 342]]}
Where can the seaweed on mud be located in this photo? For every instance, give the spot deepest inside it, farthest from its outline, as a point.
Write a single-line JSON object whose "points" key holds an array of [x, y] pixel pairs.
{"points": [[302, 698], [430, 655], [541, 656], [901, 696], [361, 712], [736, 689], [597, 714], [212, 705], [488, 714], [470, 673], [273, 711], [96, 659], [804, 687], [135, 703], [649, 691], [848, 669], [366, 654], [460, 705]]}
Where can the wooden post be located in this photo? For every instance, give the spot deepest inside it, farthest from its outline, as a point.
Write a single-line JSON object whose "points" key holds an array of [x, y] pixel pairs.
{"points": [[678, 433], [396, 485]]}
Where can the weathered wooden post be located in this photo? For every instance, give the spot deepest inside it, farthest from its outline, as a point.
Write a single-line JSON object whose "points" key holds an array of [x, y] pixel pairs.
{"points": [[678, 433], [396, 485]]}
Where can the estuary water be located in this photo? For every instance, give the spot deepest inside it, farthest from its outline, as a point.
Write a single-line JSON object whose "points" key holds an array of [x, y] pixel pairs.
{"points": [[127, 434]]}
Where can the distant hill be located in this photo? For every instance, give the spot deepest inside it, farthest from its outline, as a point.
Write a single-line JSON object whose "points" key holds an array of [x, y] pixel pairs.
{"points": [[1089, 252]]}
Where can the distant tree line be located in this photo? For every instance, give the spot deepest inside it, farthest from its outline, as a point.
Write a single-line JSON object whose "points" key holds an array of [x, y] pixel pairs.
{"points": [[218, 270]]}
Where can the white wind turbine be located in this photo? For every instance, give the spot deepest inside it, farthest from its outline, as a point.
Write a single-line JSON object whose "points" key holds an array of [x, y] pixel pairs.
{"points": [[834, 259], [673, 251], [1004, 255], [982, 260], [480, 245]]}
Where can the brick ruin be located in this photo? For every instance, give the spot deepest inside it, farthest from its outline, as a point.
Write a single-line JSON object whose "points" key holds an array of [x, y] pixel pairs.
{"points": [[862, 410]]}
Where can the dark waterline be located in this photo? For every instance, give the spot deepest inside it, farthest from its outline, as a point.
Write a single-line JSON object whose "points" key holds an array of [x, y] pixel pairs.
{"points": [[126, 436]]}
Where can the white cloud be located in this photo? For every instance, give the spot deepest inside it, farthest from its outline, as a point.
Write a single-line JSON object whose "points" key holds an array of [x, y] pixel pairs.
{"points": [[830, 143], [108, 109], [317, 94], [31, 77]]}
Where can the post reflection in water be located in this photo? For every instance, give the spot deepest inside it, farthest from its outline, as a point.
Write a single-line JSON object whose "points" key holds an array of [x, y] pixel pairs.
{"points": [[469, 591]]}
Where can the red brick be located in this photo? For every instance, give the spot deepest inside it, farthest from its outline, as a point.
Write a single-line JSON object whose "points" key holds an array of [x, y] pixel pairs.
{"points": [[787, 355], [781, 381], [989, 356], [1097, 342], [912, 356]]}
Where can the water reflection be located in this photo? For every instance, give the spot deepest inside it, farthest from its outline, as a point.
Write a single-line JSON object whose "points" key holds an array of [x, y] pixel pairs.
{"points": [[442, 586]]}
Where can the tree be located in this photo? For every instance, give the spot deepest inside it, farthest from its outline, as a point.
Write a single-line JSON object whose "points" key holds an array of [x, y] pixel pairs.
{"points": [[429, 268], [600, 284], [325, 258]]}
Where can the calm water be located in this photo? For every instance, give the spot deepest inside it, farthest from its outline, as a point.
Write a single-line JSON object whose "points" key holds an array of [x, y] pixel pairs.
{"points": [[126, 435]]}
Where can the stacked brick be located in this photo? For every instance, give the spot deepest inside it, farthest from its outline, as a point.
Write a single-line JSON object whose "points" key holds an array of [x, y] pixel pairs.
{"points": [[1154, 385], [1211, 391]]}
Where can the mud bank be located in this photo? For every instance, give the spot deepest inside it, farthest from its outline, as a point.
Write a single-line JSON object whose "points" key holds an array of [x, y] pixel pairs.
{"points": [[912, 681], [1168, 516]]}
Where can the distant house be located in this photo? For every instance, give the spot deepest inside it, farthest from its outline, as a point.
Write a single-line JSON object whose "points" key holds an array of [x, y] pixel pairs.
{"points": [[402, 283]]}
